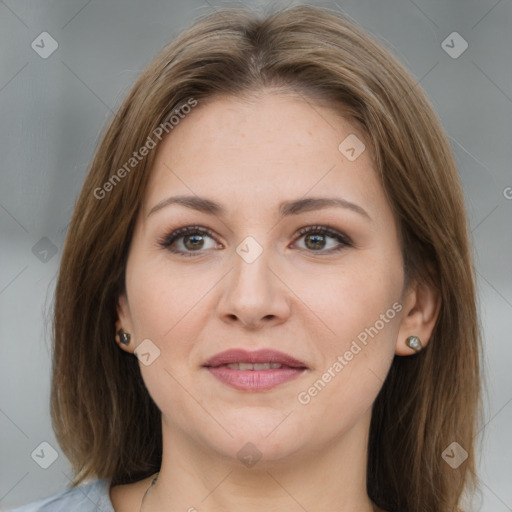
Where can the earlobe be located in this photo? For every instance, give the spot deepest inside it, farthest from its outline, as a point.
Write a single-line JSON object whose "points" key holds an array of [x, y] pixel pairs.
{"points": [[421, 310], [122, 337], [414, 342]]}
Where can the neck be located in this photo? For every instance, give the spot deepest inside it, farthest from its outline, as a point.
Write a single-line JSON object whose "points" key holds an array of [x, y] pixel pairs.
{"points": [[195, 478]]}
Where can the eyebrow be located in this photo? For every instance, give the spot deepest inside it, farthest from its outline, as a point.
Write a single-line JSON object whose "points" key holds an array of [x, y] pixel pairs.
{"points": [[286, 208]]}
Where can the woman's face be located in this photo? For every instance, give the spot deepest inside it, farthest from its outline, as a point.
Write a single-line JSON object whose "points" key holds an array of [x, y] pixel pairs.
{"points": [[330, 299]]}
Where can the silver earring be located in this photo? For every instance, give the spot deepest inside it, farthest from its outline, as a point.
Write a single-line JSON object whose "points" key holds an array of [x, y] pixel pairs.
{"points": [[124, 337], [414, 342]]}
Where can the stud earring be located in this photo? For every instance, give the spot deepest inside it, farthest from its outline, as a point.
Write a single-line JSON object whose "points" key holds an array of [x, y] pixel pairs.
{"points": [[124, 337], [414, 342]]}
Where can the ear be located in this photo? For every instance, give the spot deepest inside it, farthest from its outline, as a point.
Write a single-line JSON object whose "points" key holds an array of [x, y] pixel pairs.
{"points": [[422, 304], [124, 322]]}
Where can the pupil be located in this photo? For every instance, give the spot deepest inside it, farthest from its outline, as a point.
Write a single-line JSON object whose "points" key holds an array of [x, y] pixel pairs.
{"points": [[317, 240], [190, 237]]}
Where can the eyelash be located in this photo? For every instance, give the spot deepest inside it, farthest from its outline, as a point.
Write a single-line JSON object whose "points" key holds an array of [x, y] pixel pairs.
{"points": [[168, 240]]}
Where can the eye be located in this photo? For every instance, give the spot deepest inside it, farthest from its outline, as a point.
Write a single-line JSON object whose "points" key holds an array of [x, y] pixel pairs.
{"points": [[191, 239], [188, 240], [315, 239]]}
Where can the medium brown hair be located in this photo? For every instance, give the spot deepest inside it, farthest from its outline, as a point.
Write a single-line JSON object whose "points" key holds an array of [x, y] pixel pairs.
{"points": [[103, 416]]}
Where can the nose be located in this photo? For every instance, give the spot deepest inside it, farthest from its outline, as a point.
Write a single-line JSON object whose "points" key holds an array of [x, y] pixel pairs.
{"points": [[254, 294]]}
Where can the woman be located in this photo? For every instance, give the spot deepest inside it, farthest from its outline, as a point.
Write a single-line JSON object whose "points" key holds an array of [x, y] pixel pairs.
{"points": [[266, 298]]}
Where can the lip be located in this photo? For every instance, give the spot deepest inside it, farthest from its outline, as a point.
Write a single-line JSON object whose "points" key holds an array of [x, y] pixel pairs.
{"points": [[257, 356], [254, 380]]}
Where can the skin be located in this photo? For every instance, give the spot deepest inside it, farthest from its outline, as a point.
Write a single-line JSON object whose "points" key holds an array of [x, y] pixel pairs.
{"points": [[297, 297]]}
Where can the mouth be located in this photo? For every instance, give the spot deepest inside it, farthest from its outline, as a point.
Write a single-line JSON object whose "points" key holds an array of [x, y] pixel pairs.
{"points": [[254, 371], [253, 367]]}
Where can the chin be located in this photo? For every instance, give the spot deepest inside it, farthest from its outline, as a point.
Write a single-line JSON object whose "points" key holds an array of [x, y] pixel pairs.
{"points": [[256, 436]]}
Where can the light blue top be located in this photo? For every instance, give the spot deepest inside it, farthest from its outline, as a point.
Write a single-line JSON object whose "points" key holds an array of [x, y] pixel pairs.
{"points": [[91, 497]]}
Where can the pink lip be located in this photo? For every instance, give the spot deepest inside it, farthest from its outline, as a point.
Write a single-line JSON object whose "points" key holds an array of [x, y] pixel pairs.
{"points": [[258, 356], [254, 380]]}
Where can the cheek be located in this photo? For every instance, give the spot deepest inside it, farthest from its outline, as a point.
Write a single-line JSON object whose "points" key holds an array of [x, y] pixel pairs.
{"points": [[360, 312], [353, 367], [162, 298], [351, 297], [165, 307]]}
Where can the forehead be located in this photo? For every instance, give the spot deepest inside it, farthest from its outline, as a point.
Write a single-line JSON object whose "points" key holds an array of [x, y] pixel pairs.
{"points": [[261, 150]]}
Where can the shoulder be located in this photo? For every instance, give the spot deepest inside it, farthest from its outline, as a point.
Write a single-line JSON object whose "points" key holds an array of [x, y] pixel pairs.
{"points": [[91, 497]]}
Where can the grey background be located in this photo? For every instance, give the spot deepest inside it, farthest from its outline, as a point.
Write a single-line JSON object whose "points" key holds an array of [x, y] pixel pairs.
{"points": [[53, 111]]}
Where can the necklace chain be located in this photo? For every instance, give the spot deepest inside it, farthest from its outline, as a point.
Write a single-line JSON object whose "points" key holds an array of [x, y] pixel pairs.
{"points": [[147, 491]]}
